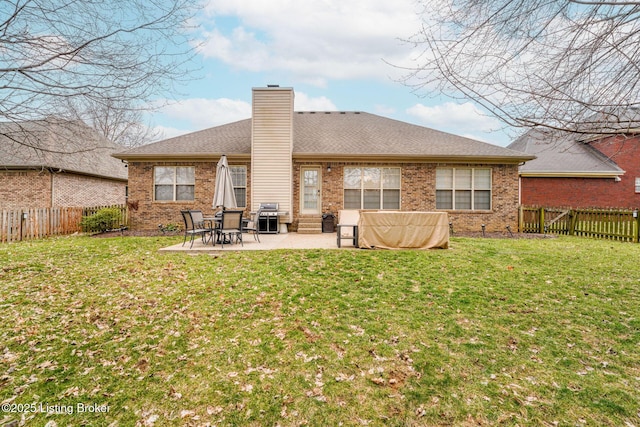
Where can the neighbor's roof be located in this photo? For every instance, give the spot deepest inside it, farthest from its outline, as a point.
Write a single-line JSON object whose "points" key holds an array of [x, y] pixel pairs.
{"points": [[562, 155], [617, 120], [339, 135], [61, 145]]}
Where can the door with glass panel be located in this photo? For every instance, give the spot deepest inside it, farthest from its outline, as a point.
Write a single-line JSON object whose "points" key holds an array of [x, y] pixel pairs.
{"points": [[311, 202]]}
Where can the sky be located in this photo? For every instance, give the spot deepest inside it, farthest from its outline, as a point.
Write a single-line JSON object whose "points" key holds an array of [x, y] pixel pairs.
{"points": [[337, 55]]}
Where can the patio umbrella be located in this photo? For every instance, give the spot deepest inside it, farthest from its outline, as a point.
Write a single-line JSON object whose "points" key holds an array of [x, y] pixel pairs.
{"points": [[224, 196]]}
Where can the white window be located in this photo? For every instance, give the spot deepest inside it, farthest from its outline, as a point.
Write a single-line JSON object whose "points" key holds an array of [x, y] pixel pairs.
{"points": [[371, 188], [637, 185], [173, 183], [239, 179], [463, 189]]}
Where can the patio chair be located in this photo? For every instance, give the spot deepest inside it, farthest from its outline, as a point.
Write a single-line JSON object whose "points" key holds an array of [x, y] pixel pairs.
{"points": [[231, 226], [193, 227], [200, 222], [251, 226], [347, 228]]}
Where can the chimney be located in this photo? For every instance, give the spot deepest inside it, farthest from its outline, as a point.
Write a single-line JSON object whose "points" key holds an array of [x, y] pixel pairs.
{"points": [[272, 148]]}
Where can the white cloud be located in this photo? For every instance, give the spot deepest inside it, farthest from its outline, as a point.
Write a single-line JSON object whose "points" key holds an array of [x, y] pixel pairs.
{"points": [[315, 41], [384, 110], [456, 118], [201, 113], [166, 132], [304, 103]]}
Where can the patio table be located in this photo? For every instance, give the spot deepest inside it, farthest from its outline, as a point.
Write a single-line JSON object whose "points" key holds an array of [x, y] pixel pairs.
{"points": [[403, 230], [216, 222]]}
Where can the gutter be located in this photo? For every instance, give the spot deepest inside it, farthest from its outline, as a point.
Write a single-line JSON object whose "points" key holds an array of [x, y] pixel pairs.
{"points": [[180, 156], [394, 158], [54, 171], [337, 157], [569, 174]]}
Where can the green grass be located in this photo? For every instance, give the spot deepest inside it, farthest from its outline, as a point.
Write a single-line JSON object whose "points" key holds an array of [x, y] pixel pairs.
{"points": [[490, 332]]}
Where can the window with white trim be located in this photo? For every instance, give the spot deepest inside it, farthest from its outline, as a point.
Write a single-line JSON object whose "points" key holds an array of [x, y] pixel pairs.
{"points": [[174, 183], [239, 180], [463, 189], [371, 188], [637, 185]]}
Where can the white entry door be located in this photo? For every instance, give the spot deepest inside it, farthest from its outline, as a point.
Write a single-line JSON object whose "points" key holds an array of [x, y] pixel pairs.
{"points": [[311, 202]]}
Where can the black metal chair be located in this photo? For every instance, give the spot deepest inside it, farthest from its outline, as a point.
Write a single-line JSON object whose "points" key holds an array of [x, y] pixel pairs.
{"points": [[231, 226], [194, 227], [251, 226]]}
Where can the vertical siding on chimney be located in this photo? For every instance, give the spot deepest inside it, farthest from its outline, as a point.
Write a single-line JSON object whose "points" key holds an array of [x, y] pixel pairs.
{"points": [[272, 147]]}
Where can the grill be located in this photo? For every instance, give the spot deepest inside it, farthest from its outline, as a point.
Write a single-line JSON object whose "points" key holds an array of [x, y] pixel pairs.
{"points": [[268, 218]]}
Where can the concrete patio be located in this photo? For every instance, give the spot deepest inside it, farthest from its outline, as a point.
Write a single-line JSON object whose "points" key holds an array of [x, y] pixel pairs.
{"points": [[267, 242]]}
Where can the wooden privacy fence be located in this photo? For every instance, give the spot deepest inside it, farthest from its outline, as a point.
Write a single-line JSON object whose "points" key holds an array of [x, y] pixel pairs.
{"points": [[613, 224], [36, 223]]}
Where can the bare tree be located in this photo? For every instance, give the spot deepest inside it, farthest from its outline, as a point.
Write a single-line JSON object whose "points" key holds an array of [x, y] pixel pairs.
{"points": [[118, 54], [566, 65], [117, 120]]}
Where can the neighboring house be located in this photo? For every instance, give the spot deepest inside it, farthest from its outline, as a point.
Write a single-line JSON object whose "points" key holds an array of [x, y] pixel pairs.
{"points": [[72, 166], [571, 171], [313, 163]]}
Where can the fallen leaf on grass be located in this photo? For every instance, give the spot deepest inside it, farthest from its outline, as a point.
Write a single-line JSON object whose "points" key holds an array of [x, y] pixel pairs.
{"points": [[187, 413], [47, 365], [378, 381], [149, 420], [344, 377], [173, 394], [214, 410]]}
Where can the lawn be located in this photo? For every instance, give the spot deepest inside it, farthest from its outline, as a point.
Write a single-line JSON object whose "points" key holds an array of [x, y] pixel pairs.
{"points": [[109, 332]]}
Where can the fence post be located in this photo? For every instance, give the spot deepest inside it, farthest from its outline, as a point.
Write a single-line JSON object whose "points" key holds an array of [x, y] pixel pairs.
{"points": [[573, 215], [636, 234], [541, 223], [21, 219], [521, 219]]}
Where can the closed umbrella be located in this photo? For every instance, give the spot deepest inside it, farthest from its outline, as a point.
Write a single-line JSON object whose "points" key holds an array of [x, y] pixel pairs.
{"points": [[224, 195]]}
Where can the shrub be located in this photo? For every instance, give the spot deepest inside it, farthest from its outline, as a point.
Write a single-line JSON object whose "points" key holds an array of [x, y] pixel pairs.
{"points": [[103, 220]]}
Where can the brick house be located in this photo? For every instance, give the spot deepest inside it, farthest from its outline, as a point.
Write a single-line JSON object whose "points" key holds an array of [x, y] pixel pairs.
{"points": [[313, 163], [570, 171], [73, 166]]}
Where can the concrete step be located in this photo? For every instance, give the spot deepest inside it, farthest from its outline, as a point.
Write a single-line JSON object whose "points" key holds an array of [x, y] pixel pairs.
{"points": [[308, 226], [309, 230], [310, 219]]}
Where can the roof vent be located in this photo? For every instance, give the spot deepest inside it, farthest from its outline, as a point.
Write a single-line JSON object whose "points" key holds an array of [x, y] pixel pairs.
{"points": [[273, 85]]}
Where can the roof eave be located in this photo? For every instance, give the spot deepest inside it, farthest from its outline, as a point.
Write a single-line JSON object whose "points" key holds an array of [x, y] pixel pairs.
{"points": [[179, 156], [53, 169], [570, 174], [414, 158]]}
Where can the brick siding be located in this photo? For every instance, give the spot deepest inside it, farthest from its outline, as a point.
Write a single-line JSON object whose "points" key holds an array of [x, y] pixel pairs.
{"points": [[150, 213], [570, 192], [78, 190], [41, 189], [417, 193], [591, 192], [25, 189]]}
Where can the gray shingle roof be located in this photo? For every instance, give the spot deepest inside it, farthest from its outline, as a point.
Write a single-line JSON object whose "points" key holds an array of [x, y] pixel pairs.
{"points": [[562, 154], [231, 139], [332, 135], [65, 146]]}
